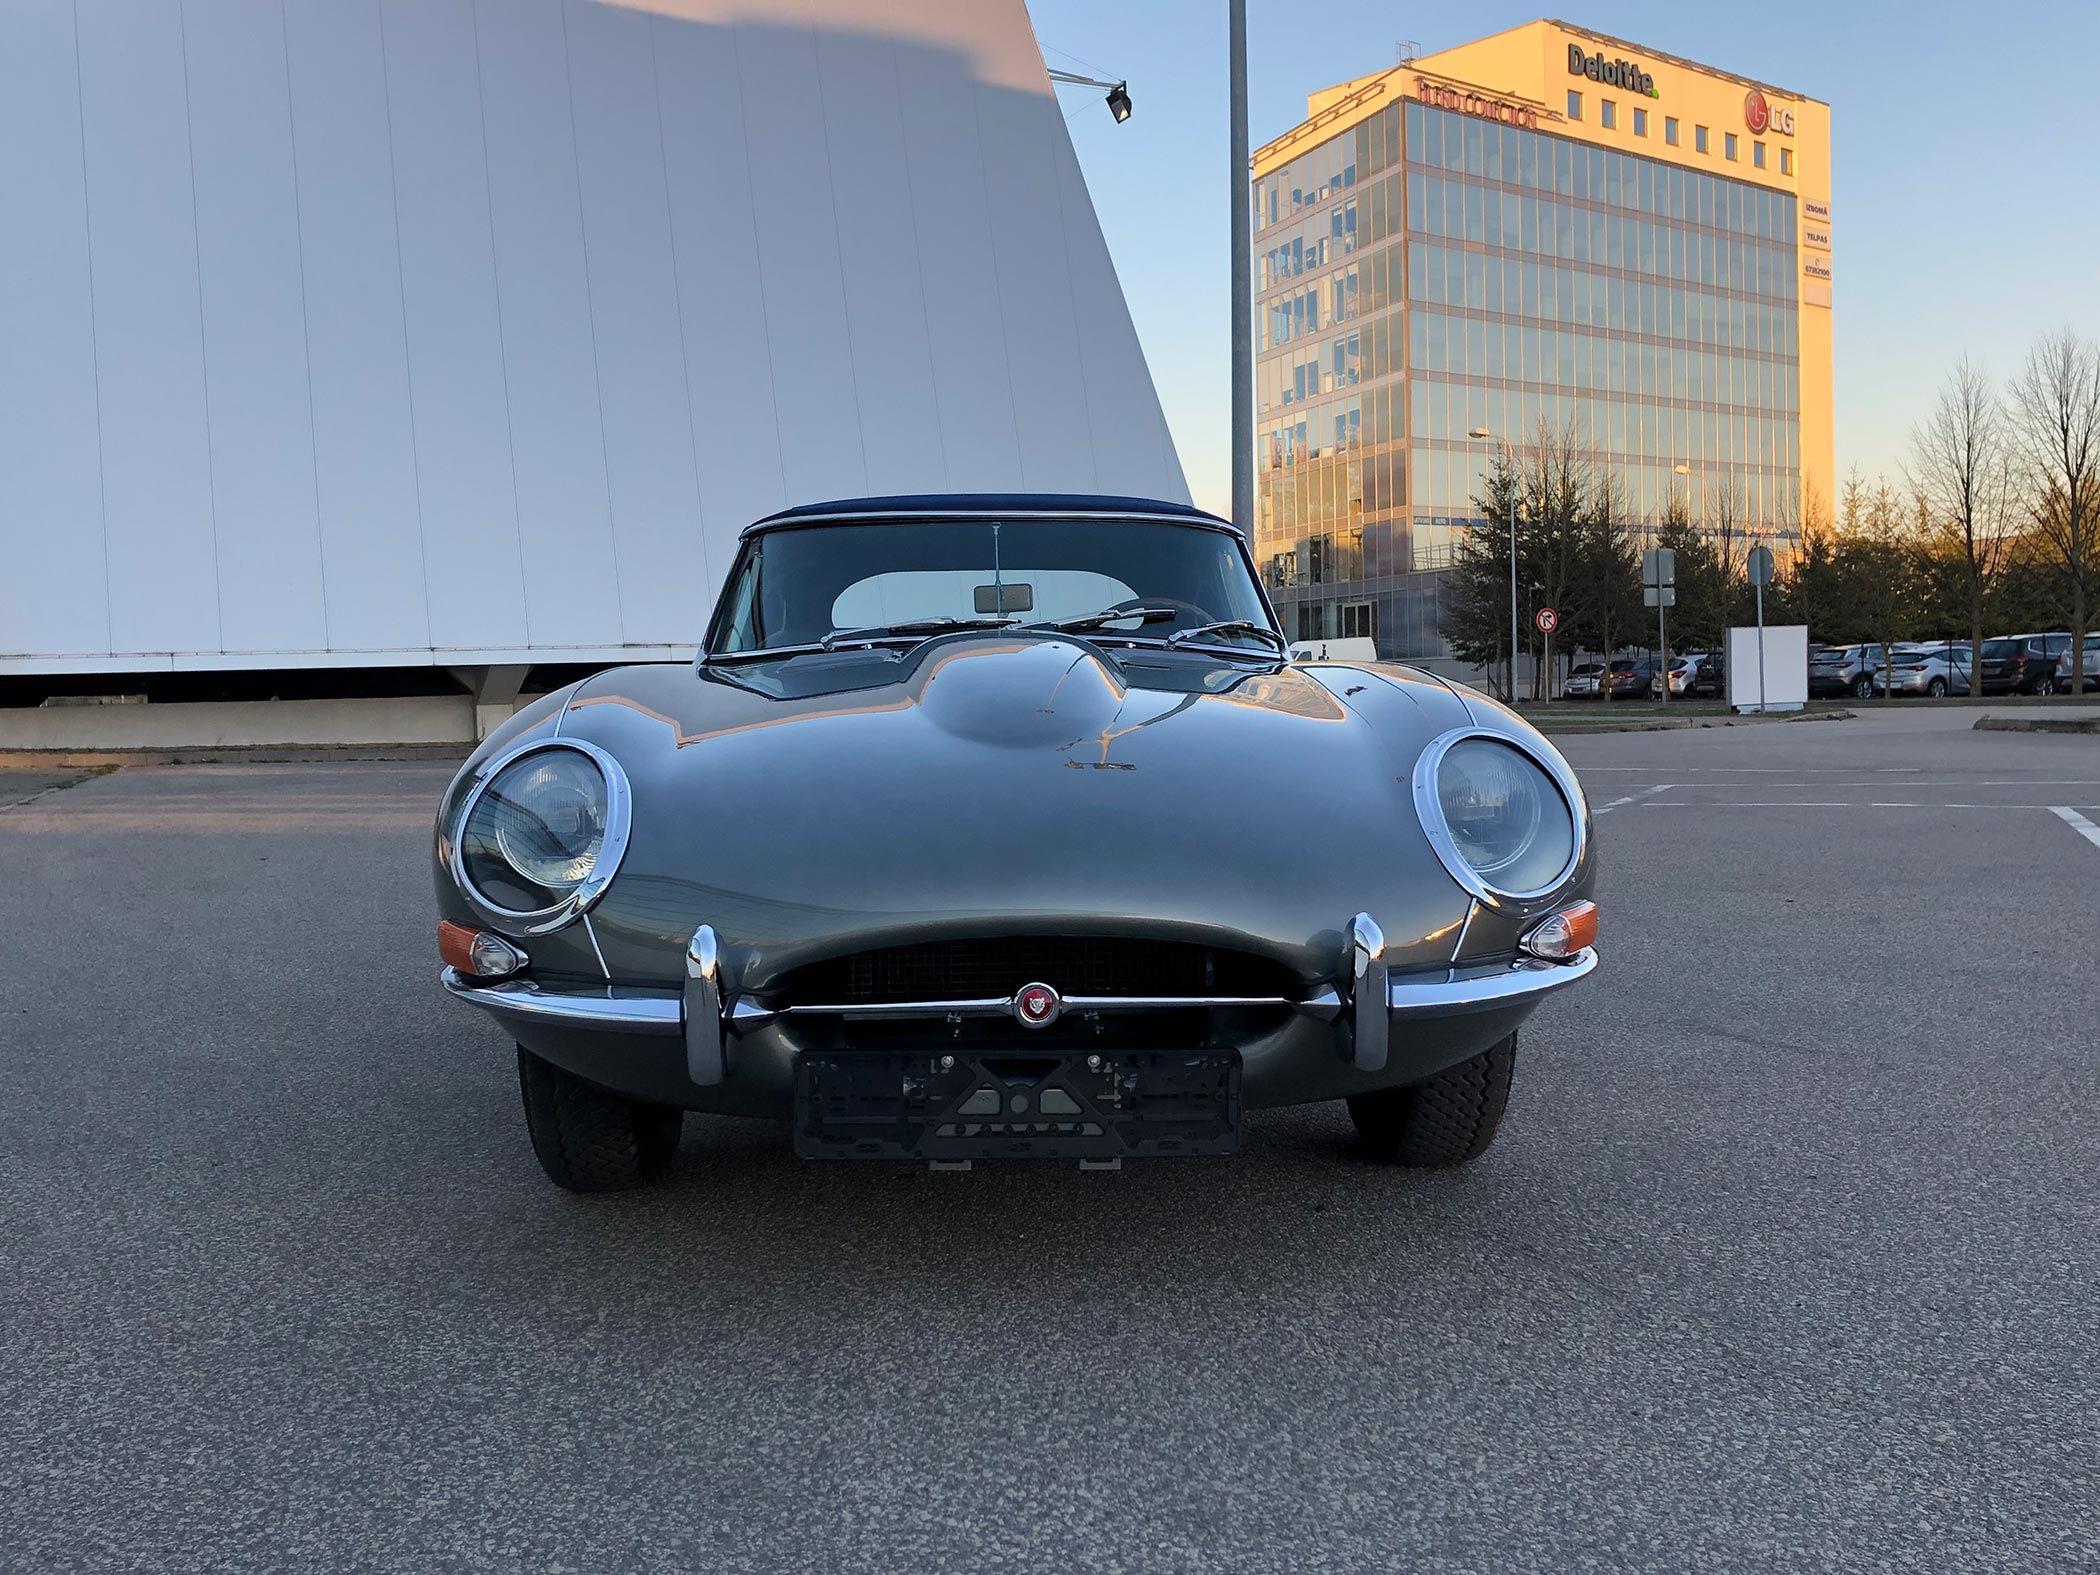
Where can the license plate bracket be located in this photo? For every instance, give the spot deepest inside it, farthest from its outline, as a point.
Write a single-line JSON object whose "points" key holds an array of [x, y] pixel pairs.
{"points": [[1008, 1104]]}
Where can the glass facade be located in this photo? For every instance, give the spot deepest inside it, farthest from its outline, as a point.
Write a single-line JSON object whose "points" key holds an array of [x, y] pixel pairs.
{"points": [[1426, 274]]}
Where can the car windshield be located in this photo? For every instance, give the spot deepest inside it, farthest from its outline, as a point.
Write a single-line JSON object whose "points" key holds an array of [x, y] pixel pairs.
{"points": [[798, 586]]}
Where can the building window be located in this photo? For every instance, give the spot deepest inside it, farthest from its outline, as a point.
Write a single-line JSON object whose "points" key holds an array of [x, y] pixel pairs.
{"points": [[1640, 123], [1608, 114], [1699, 138], [1786, 161], [1670, 130], [1574, 105], [1359, 621], [1757, 154], [1728, 145]]}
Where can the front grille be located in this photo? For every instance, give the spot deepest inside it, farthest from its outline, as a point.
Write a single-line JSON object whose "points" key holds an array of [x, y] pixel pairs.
{"points": [[989, 968]]}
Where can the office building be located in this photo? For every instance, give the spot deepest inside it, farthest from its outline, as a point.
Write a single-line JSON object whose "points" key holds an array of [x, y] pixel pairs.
{"points": [[1551, 230]]}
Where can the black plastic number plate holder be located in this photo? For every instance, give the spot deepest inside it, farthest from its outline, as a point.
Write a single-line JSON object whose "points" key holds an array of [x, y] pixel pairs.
{"points": [[956, 1105]]}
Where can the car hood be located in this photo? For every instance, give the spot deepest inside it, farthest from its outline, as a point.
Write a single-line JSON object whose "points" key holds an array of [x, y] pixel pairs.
{"points": [[1018, 784]]}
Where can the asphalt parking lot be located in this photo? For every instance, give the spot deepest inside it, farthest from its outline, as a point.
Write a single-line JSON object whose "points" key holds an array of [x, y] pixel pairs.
{"points": [[1786, 1259]]}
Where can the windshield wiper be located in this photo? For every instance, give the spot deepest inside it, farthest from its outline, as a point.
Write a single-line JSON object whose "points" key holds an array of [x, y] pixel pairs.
{"points": [[1107, 616], [907, 630], [1228, 626]]}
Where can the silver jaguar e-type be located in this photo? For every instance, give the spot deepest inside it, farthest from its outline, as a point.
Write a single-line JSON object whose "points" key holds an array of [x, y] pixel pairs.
{"points": [[1002, 827]]}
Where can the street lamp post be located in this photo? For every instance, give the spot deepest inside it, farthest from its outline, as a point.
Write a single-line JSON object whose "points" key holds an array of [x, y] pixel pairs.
{"points": [[1242, 277], [1483, 432]]}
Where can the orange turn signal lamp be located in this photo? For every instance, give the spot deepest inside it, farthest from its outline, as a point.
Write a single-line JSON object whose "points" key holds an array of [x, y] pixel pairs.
{"points": [[477, 953], [1564, 936]]}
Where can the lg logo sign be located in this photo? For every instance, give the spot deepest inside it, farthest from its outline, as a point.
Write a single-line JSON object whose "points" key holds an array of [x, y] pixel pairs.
{"points": [[1760, 116]]}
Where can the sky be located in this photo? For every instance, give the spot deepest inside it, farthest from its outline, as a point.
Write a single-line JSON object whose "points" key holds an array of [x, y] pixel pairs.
{"points": [[1965, 171]]}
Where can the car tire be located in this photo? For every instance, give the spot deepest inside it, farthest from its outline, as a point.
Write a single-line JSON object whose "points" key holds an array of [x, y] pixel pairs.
{"points": [[1937, 688], [2047, 685], [1446, 1121], [589, 1139], [1863, 687]]}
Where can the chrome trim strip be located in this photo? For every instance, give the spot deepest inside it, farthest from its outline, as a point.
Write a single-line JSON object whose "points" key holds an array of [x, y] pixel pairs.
{"points": [[619, 819], [633, 1012], [1429, 810], [1452, 992], [1464, 929], [989, 516], [590, 931], [751, 1014], [703, 1008], [1367, 981]]}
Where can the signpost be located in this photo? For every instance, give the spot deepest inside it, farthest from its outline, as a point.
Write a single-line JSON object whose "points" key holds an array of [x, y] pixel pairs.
{"points": [[1760, 567], [1547, 619], [1659, 590]]}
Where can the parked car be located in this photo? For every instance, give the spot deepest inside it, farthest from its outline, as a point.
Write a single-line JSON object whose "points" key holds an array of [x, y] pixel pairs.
{"points": [[1935, 670], [1630, 679], [1583, 679], [1838, 670], [2023, 663], [920, 856], [1693, 674], [2092, 665]]}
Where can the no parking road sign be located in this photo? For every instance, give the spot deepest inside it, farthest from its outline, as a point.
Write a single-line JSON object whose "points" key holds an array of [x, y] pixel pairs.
{"points": [[1547, 619]]}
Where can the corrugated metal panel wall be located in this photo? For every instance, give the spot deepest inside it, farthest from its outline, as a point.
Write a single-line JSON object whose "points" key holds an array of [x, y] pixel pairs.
{"points": [[345, 331]]}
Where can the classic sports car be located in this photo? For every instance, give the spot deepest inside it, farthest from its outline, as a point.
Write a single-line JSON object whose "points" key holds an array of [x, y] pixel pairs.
{"points": [[1002, 827]]}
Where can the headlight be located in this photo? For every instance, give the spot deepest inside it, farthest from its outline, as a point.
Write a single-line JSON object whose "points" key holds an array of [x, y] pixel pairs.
{"points": [[541, 834], [1503, 824]]}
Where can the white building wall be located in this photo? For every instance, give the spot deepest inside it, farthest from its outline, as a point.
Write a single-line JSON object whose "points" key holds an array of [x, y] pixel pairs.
{"points": [[341, 332]]}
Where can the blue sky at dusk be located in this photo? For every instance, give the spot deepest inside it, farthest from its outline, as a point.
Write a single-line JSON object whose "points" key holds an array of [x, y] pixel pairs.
{"points": [[1965, 188]]}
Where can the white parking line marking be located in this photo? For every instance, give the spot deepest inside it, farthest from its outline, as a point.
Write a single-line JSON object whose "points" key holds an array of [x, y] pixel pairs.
{"points": [[1621, 803], [2077, 822]]}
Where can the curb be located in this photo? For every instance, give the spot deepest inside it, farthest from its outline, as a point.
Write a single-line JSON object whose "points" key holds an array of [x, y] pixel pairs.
{"points": [[2037, 724], [1570, 727], [231, 755]]}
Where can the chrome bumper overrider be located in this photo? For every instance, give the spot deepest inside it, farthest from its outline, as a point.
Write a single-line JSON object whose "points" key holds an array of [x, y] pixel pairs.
{"points": [[705, 1016]]}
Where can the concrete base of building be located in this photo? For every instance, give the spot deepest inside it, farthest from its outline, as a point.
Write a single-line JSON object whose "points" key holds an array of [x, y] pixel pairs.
{"points": [[242, 724]]}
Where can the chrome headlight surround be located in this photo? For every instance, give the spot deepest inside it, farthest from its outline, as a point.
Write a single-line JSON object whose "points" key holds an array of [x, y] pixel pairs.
{"points": [[579, 900], [1429, 809]]}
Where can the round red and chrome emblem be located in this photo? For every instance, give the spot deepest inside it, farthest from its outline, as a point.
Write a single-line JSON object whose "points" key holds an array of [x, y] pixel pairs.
{"points": [[1037, 1006], [1756, 113]]}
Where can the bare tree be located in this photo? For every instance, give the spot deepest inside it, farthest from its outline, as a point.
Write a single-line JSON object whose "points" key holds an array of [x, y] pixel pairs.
{"points": [[1961, 467], [1728, 528], [2056, 410]]}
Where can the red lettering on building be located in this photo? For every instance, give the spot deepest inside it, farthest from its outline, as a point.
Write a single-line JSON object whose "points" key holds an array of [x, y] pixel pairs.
{"points": [[1478, 105]]}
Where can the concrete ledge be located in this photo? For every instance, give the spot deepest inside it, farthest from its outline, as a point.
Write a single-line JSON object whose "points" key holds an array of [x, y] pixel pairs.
{"points": [[2087, 723], [242, 724]]}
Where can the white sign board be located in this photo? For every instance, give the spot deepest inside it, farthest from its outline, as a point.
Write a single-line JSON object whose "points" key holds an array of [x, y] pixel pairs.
{"points": [[1784, 684]]}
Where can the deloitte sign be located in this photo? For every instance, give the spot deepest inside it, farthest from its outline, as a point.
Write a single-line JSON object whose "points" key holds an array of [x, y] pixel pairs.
{"points": [[1612, 73]]}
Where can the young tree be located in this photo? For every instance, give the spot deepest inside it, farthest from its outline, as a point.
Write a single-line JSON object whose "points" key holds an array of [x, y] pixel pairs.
{"points": [[1728, 530], [1556, 485], [1960, 466], [1473, 600], [1884, 563], [1609, 572], [1700, 617], [2056, 416]]}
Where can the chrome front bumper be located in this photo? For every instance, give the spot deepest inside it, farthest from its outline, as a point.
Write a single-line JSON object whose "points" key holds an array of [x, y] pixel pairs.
{"points": [[706, 1016]]}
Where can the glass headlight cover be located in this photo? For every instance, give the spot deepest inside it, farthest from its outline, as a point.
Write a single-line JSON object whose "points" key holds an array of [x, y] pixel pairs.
{"points": [[545, 830], [1505, 816]]}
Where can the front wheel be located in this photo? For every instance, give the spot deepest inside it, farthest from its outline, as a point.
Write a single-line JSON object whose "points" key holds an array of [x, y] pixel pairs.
{"points": [[1446, 1121], [1862, 688], [589, 1139]]}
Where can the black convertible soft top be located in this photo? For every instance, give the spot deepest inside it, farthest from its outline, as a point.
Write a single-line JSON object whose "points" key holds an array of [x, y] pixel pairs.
{"points": [[990, 504]]}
